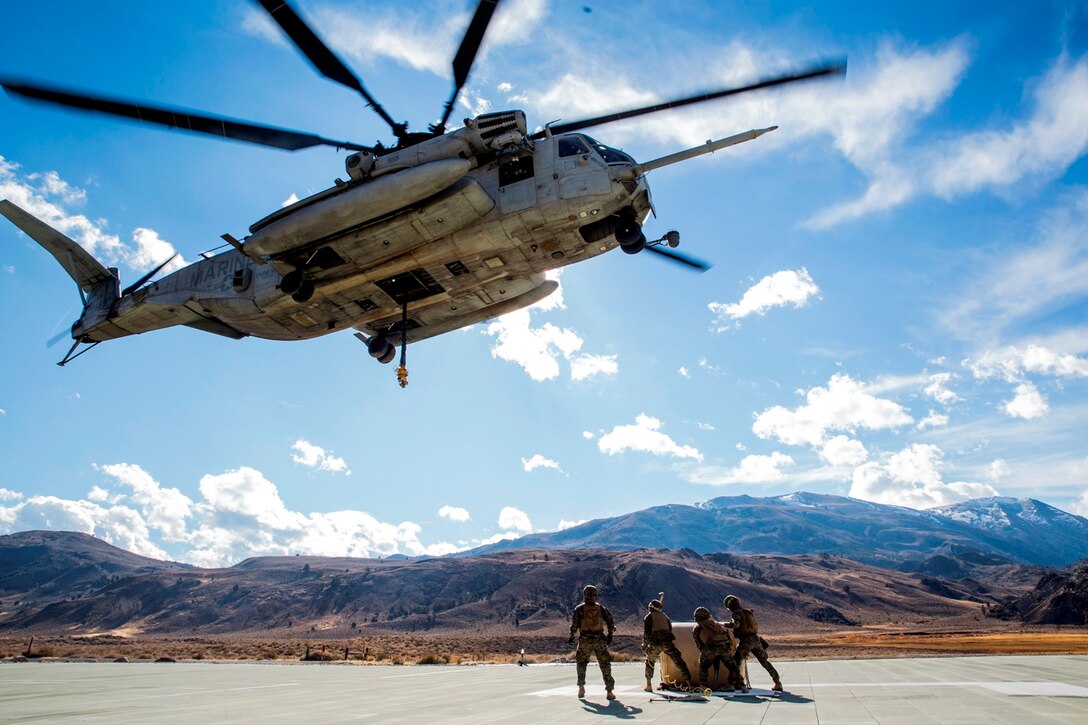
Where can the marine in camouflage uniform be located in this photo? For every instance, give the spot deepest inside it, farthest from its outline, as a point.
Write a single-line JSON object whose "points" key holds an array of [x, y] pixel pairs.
{"points": [[748, 640], [590, 621], [715, 647], [657, 637]]}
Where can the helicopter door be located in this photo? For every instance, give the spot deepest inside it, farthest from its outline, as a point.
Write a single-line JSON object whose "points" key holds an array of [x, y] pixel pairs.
{"points": [[517, 184], [580, 171]]}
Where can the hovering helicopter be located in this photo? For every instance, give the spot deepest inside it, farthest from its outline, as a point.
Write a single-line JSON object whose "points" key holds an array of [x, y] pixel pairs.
{"points": [[441, 230]]}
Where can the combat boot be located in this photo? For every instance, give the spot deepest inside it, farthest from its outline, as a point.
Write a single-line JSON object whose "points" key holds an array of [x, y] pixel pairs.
{"points": [[581, 690], [610, 695], [649, 685], [777, 686]]}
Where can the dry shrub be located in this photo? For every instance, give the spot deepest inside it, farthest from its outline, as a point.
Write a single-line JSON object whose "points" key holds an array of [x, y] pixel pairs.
{"points": [[318, 656], [432, 659]]}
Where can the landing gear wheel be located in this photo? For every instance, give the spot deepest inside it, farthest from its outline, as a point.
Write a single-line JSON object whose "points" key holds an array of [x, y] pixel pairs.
{"points": [[304, 292], [635, 247], [628, 230], [387, 357], [378, 347], [291, 282]]}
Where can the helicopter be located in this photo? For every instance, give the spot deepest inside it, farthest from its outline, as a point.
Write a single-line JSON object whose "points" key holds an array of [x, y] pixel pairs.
{"points": [[439, 230]]}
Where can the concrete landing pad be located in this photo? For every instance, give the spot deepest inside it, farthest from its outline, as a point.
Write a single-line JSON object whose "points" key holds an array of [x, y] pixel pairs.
{"points": [[1033, 690]]}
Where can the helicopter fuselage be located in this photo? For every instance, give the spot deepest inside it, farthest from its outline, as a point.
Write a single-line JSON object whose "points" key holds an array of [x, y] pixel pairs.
{"points": [[475, 249]]}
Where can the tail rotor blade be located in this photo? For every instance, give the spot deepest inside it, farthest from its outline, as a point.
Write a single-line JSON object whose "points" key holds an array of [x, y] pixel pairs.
{"points": [[831, 69], [466, 55], [57, 338], [679, 258], [140, 282]]}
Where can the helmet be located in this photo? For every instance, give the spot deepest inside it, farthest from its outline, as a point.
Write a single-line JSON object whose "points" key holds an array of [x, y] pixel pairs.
{"points": [[655, 605], [702, 613], [731, 602], [589, 593]]}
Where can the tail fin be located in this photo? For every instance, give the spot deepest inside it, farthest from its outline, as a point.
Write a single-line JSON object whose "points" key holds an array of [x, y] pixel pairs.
{"points": [[77, 262]]}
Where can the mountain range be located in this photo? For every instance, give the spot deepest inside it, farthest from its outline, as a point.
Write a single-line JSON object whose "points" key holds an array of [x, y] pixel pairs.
{"points": [[1024, 531]]}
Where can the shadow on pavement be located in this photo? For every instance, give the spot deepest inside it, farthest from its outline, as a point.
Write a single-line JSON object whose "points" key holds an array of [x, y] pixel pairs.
{"points": [[614, 708]]}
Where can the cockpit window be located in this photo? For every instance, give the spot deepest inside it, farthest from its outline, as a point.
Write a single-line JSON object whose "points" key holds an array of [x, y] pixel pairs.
{"points": [[609, 154], [572, 146]]}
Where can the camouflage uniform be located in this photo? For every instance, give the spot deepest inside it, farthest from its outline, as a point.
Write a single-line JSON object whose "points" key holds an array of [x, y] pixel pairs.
{"points": [[657, 637], [748, 640], [589, 621], [715, 645]]}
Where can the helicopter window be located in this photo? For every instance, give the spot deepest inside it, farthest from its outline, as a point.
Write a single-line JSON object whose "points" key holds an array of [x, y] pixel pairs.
{"points": [[609, 154], [572, 147], [515, 169]]}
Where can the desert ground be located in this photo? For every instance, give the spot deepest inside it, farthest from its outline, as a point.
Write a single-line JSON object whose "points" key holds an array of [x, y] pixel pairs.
{"points": [[400, 649]]}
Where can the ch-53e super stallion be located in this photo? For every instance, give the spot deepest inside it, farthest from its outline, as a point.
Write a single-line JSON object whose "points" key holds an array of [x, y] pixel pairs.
{"points": [[441, 230]]}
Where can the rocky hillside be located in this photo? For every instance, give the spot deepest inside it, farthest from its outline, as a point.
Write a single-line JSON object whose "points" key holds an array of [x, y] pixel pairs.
{"points": [[1025, 531], [530, 591], [1058, 598]]}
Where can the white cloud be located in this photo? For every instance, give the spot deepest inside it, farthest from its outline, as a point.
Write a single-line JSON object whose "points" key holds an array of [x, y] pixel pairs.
{"points": [[48, 197], [1016, 284], [644, 436], [684, 373], [1029, 403], [539, 461], [912, 478], [538, 349], [9, 268], [9, 495], [564, 524], [293, 198], [704, 426], [936, 388], [588, 435], [1012, 363], [787, 287], [317, 458], [1045, 144], [164, 509], [999, 469], [514, 519], [844, 405], [933, 420], [1080, 506], [454, 513], [751, 469], [118, 525], [844, 451]]}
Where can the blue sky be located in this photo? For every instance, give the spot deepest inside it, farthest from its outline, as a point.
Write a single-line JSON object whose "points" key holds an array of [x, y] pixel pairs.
{"points": [[897, 309]]}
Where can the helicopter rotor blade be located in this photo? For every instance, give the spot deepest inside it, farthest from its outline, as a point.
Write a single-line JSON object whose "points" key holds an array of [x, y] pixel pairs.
{"points": [[679, 258], [176, 119], [466, 55], [140, 282], [830, 69], [57, 338], [322, 58]]}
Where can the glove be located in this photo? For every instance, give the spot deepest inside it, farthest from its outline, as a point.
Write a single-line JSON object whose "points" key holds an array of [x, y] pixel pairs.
{"points": [[608, 638]]}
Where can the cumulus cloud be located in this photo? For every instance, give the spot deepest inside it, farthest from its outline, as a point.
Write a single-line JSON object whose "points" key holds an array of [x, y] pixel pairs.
{"points": [[644, 436], [788, 287], [932, 420], [844, 451], [317, 458], [293, 198], [564, 524], [844, 405], [512, 519], [1080, 506], [1029, 403], [1012, 363], [50, 198], [539, 461], [9, 495], [936, 388], [538, 350], [240, 514], [751, 469], [454, 513], [912, 478], [684, 372], [588, 435], [998, 469]]}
